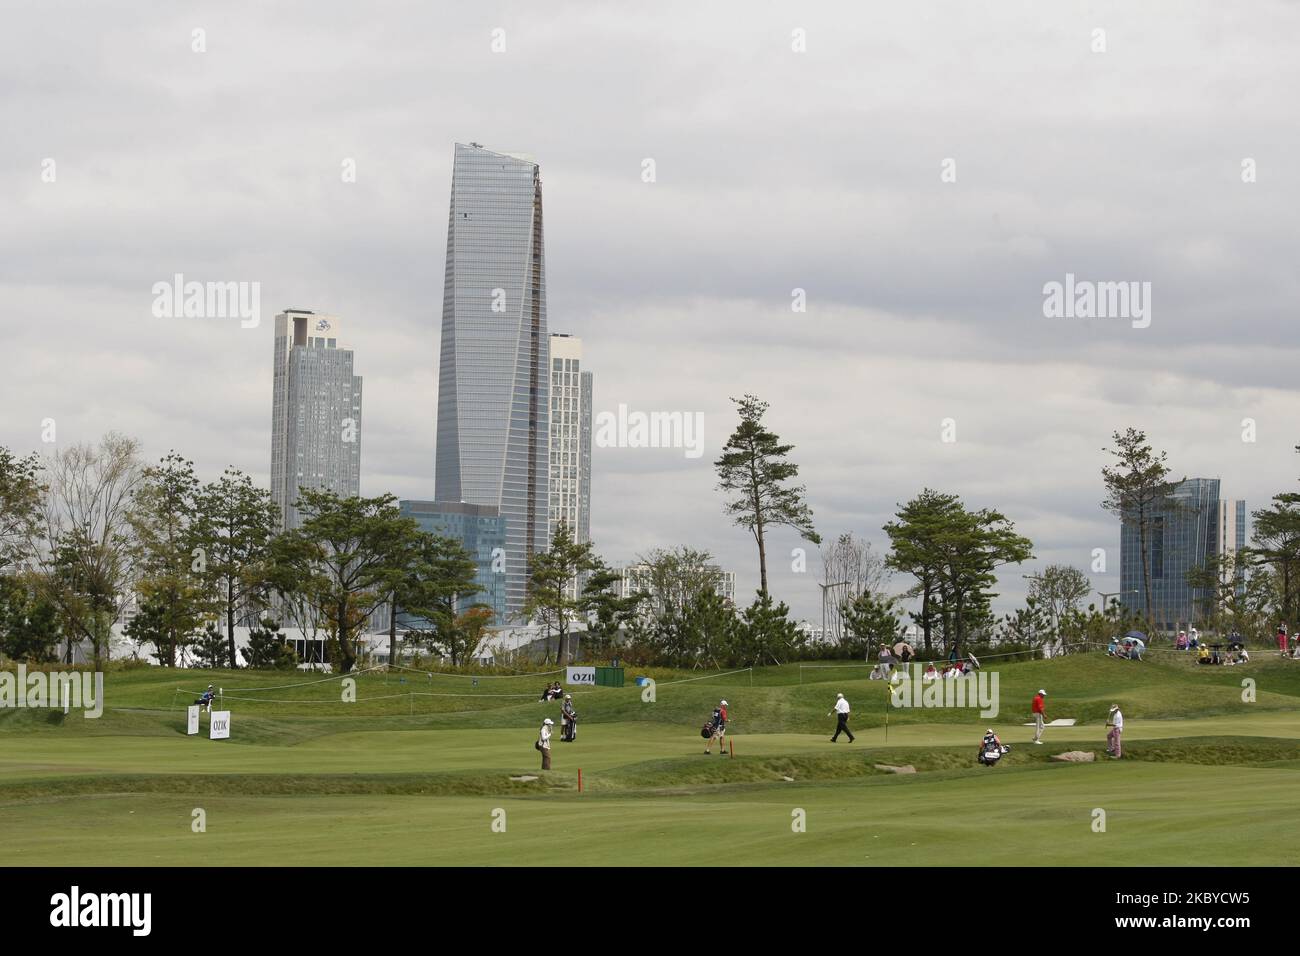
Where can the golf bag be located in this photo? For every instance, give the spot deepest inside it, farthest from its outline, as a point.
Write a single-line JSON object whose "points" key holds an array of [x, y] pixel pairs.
{"points": [[991, 753], [569, 730], [706, 731]]}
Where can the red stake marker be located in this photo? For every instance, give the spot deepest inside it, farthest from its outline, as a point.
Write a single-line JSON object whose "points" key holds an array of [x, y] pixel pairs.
{"points": [[580, 780], [732, 745]]}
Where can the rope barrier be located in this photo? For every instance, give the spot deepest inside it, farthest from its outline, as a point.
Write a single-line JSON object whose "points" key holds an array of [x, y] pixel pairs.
{"points": [[432, 674], [306, 683], [687, 680]]}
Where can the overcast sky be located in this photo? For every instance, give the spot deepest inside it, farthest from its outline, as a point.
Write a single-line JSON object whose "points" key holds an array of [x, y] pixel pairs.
{"points": [[774, 170]]}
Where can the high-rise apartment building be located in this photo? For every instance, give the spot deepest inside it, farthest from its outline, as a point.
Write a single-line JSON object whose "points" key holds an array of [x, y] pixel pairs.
{"points": [[639, 577], [570, 480], [493, 387], [315, 411]]}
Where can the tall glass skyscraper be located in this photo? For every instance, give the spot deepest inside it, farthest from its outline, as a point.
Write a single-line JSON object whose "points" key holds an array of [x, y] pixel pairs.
{"points": [[1196, 526], [315, 411], [493, 385]]}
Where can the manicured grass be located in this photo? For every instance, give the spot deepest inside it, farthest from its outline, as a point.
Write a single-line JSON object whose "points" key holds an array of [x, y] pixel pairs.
{"points": [[401, 778], [1155, 815]]}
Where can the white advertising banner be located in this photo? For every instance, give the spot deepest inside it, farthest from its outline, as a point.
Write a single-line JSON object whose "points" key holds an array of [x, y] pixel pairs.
{"points": [[219, 729], [583, 676], [192, 727]]}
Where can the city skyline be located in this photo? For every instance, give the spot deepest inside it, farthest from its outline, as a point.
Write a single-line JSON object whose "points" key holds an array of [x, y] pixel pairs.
{"points": [[923, 297]]}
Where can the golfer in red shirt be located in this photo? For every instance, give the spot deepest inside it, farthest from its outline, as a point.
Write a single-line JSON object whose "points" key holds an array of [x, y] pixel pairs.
{"points": [[1040, 701]]}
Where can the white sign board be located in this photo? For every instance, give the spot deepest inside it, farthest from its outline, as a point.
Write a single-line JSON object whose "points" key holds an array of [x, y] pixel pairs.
{"points": [[192, 726], [219, 726], [585, 676]]}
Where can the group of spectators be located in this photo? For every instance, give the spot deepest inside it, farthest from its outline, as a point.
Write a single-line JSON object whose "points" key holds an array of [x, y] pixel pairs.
{"points": [[1126, 649], [952, 669], [1293, 643], [901, 655]]}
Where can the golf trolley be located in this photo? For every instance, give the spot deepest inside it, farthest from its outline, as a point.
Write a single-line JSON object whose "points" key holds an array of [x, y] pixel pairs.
{"points": [[991, 753]]}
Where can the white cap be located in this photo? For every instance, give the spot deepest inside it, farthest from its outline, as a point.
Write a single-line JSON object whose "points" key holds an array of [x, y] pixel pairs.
{"points": [[839, 695], [568, 697], [1043, 692], [548, 721], [724, 703]]}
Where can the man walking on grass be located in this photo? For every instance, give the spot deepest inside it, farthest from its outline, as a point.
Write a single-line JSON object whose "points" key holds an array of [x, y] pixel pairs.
{"points": [[841, 713], [1040, 702], [1114, 746]]}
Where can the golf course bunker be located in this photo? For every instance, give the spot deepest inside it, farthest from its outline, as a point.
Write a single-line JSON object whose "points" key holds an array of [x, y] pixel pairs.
{"points": [[1076, 756]]}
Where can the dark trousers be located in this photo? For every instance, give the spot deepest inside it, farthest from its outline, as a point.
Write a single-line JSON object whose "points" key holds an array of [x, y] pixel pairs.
{"points": [[546, 758], [842, 727]]}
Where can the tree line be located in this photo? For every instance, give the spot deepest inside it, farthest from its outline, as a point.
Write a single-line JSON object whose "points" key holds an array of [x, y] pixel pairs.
{"points": [[88, 525], [91, 529]]}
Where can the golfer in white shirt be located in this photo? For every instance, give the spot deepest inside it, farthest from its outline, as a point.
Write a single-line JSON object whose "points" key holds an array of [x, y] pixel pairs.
{"points": [[544, 742], [841, 713], [1114, 745]]}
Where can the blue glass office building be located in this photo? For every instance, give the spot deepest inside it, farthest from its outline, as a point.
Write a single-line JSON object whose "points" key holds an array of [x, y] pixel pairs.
{"points": [[1196, 526], [482, 532], [493, 409]]}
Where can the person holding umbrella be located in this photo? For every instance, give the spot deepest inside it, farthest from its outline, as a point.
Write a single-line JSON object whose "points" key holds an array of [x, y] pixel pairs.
{"points": [[903, 652], [841, 712]]}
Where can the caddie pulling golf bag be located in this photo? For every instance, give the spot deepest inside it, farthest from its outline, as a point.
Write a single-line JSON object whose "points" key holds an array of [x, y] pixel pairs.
{"points": [[991, 752]]}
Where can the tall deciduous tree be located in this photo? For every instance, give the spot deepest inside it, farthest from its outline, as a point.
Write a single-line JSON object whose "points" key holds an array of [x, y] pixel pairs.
{"points": [[84, 552], [850, 569], [756, 469], [553, 598], [438, 576], [1058, 591], [344, 559], [168, 557], [1137, 487], [21, 493], [236, 522]]}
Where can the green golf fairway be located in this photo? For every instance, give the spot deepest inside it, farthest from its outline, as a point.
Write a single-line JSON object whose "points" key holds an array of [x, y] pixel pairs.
{"points": [[1209, 777]]}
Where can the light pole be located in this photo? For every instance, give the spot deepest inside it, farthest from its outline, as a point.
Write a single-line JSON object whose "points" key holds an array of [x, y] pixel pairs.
{"points": [[1111, 594], [825, 588]]}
